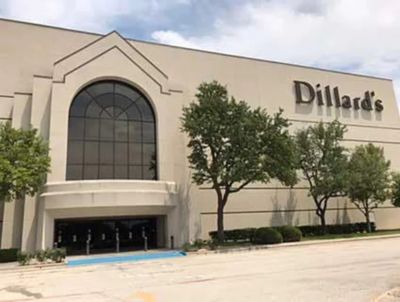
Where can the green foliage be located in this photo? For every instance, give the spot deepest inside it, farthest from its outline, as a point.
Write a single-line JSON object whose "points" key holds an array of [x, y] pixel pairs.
{"points": [[289, 233], [24, 258], [235, 235], [395, 189], [323, 162], [54, 255], [41, 255], [233, 145], [24, 162], [57, 255], [267, 236], [8, 255], [369, 178], [349, 228]]}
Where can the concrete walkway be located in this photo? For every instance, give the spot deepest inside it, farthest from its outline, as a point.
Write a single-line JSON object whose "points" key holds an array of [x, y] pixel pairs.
{"points": [[360, 270]]}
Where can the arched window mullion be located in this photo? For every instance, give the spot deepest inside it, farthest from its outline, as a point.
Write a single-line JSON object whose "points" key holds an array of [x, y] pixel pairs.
{"points": [[106, 165], [94, 99], [137, 107]]}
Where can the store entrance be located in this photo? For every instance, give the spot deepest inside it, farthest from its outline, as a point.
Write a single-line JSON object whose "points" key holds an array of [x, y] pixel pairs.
{"points": [[105, 235]]}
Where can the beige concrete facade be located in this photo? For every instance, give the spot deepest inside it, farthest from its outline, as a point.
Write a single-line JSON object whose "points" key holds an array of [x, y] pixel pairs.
{"points": [[44, 68]]}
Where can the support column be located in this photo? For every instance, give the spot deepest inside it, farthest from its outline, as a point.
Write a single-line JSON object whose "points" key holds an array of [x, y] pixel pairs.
{"points": [[12, 224], [14, 211], [45, 228], [39, 119]]}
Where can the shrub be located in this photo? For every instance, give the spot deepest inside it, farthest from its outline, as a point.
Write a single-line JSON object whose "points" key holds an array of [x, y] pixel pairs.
{"points": [[24, 258], [267, 236], [8, 255], [289, 233], [41, 255], [236, 234], [57, 255], [335, 229]]}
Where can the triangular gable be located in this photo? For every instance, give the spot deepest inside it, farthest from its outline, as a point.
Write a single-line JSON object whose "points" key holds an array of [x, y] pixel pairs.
{"points": [[83, 56]]}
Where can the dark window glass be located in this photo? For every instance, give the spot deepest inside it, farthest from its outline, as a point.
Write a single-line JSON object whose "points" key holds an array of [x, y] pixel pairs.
{"points": [[75, 152], [91, 172], [121, 172], [148, 133], [91, 152], [76, 127], [111, 134], [126, 91], [147, 113], [121, 131], [133, 113], [93, 110], [101, 88], [135, 172], [74, 172], [135, 154], [82, 100], [92, 129], [106, 172], [107, 130], [122, 101], [106, 153], [121, 153], [149, 153], [148, 172], [105, 100], [135, 131]]}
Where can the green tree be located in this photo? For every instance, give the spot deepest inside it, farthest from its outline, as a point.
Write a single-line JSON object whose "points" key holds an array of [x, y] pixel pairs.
{"points": [[233, 145], [24, 162], [369, 179], [323, 162], [395, 189]]}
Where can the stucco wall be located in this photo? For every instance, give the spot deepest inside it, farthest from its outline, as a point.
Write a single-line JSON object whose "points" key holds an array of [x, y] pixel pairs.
{"points": [[43, 69]]}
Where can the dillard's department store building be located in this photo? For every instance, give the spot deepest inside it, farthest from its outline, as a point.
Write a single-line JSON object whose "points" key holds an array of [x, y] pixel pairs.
{"points": [[110, 109]]}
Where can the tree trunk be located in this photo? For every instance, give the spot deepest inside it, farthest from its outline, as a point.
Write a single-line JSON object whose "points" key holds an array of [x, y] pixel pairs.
{"points": [[323, 221], [369, 230], [220, 221], [321, 214]]}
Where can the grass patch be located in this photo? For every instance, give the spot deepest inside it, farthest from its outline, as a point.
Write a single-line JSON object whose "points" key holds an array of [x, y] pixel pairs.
{"points": [[353, 235]]}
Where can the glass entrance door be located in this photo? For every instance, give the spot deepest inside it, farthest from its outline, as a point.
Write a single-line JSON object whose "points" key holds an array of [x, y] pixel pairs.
{"points": [[105, 235]]}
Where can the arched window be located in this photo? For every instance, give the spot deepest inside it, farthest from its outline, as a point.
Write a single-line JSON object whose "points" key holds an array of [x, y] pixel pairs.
{"points": [[111, 134]]}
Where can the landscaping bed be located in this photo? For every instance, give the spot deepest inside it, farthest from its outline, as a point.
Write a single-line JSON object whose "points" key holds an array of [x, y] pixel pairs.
{"points": [[250, 237]]}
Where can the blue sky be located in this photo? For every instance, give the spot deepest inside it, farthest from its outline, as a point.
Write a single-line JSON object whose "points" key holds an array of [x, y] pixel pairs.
{"points": [[361, 36]]}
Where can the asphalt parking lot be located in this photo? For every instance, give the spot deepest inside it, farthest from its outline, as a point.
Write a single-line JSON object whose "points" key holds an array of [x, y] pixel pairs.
{"points": [[347, 271]]}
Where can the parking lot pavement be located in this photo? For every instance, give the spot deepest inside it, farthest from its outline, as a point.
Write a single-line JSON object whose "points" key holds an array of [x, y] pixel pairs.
{"points": [[346, 271]]}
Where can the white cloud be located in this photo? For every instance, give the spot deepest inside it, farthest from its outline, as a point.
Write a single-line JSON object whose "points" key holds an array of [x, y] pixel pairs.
{"points": [[89, 15], [357, 36]]}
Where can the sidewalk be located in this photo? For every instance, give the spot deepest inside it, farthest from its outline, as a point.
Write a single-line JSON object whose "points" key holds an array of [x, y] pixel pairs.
{"points": [[291, 244], [14, 266]]}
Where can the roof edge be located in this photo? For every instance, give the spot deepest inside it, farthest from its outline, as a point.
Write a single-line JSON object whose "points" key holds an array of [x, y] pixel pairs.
{"points": [[200, 50]]}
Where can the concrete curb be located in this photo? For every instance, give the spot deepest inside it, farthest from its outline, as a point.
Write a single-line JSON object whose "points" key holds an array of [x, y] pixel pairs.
{"points": [[15, 267], [289, 244]]}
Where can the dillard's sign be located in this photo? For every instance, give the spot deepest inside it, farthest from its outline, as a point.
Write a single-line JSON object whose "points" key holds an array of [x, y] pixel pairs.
{"points": [[333, 97]]}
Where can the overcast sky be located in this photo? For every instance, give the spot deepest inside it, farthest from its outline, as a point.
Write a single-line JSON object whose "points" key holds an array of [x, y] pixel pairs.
{"points": [[361, 36]]}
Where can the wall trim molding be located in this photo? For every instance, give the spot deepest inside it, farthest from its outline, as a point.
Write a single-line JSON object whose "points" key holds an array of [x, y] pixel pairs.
{"points": [[124, 54], [347, 124], [291, 211]]}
